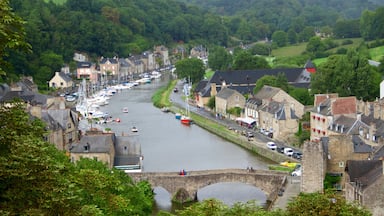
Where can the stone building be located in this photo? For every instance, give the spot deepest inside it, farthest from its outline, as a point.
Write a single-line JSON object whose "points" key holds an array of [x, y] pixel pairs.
{"points": [[365, 184], [314, 166], [228, 98], [95, 145]]}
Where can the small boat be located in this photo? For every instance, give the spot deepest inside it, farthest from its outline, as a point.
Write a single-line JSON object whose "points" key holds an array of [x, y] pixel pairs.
{"points": [[165, 109], [178, 116], [185, 120], [134, 129], [125, 110]]}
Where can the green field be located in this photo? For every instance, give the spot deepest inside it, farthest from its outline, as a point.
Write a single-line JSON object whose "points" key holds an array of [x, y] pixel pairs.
{"points": [[296, 50]]}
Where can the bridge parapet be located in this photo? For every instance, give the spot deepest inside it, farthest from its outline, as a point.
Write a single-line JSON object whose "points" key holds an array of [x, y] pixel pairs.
{"points": [[268, 181]]}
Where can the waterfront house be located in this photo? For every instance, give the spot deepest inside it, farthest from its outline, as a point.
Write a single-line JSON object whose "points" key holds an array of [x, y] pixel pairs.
{"points": [[226, 99], [244, 81], [95, 145], [61, 80]]}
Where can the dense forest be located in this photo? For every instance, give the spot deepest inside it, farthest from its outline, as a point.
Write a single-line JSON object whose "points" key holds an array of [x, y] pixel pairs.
{"points": [[123, 28]]}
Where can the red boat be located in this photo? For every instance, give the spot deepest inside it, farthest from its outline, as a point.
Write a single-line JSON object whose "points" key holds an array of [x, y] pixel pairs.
{"points": [[185, 120]]}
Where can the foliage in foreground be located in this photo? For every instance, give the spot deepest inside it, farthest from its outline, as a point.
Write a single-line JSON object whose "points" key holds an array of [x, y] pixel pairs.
{"points": [[304, 204], [37, 179]]}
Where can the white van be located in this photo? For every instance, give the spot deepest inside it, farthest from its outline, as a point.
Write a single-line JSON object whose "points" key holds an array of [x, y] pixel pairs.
{"points": [[288, 152]]}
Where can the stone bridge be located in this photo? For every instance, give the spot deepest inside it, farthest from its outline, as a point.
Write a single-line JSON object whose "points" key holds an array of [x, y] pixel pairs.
{"points": [[184, 188]]}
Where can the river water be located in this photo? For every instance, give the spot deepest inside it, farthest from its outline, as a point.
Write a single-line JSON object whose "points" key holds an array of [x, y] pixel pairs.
{"points": [[167, 145]]}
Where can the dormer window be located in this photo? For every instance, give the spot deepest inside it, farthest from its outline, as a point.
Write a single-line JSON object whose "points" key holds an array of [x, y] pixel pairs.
{"points": [[361, 131], [374, 138]]}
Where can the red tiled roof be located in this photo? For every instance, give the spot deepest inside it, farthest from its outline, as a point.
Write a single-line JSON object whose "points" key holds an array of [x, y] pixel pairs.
{"points": [[320, 98], [344, 105]]}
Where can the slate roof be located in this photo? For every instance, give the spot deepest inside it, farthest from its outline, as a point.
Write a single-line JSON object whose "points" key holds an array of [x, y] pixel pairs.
{"points": [[277, 109], [111, 60], [254, 101], [124, 63], [337, 106], [225, 93], [127, 151], [379, 154], [98, 143], [62, 116], [201, 85], [64, 76], [51, 123], [84, 64], [267, 92], [379, 124], [32, 98], [364, 172], [244, 81], [359, 146]]}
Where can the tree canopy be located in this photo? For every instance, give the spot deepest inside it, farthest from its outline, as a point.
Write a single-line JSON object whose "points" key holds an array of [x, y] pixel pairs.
{"points": [[37, 179], [191, 69], [348, 75]]}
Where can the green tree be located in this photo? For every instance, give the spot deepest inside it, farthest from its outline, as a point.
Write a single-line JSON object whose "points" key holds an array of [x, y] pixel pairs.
{"points": [[190, 68], [244, 60], [323, 204], [291, 36], [279, 38], [307, 33], [315, 46], [219, 58], [37, 179], [347, 75], [12, 34]]}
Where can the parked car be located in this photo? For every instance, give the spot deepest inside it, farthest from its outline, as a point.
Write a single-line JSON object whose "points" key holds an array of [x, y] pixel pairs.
{"points": [[297, 172], [280, 149], [288, 164], [175, 90], [288, 152], [297, 155], [250, 134], [271, 145]]}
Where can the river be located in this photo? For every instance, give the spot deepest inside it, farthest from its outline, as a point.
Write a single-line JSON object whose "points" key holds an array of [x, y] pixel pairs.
{"points": [[167, 145]]}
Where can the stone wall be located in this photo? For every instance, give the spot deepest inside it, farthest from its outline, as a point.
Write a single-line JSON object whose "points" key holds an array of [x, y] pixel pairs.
{"points": [[373, 197], [268, 181], [313, 167]]}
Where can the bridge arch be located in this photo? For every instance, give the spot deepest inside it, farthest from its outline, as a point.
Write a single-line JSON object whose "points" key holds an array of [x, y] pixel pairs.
{"points": [[184, 188]]}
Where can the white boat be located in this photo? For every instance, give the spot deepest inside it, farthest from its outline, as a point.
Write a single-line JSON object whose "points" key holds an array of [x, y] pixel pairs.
{"points": [[134, 129], [125, 110]]}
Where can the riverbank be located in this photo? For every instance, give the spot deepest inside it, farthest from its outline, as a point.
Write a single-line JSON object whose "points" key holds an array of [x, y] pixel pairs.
{"points": [[162, 99]]}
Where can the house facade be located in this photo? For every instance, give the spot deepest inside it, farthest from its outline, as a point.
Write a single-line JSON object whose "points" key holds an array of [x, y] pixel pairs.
{"points": [[365, 184], [61, 80], [87, 70], [274, 111], [109, 67], [161, 56], [226, 99], [95, 145], [244, 81]]}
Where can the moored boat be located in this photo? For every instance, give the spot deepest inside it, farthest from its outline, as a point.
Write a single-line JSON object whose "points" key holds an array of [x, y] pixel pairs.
{"points": [[185, 120], [165, 109], [125, 110], [178, 116], [134, 129]]}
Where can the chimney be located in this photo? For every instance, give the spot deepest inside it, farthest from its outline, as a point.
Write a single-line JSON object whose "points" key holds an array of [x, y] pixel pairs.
{"points": [[213, 89], [376, 110], [287, 111]]}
